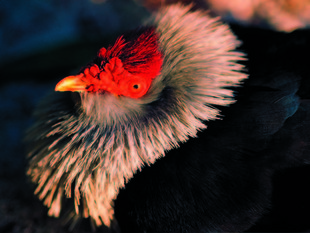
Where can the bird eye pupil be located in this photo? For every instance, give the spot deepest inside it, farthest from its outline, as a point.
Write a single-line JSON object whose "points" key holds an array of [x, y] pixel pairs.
{"points": [[136, 86]]}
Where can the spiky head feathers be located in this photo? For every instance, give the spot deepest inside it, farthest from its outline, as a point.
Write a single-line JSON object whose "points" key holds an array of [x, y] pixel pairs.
{"points": [[125, 69], [187, 62]]}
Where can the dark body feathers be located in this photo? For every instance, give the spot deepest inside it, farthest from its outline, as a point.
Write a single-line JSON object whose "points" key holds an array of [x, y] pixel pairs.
{"points": [[221, 177], [223, 180]]}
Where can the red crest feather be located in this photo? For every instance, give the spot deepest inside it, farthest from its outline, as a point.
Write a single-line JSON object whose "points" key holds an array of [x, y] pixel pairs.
{"points": [[138, 51], [127, 68]]}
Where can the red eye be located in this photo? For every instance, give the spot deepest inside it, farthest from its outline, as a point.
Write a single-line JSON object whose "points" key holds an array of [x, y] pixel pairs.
{"points": [[135, 87]]}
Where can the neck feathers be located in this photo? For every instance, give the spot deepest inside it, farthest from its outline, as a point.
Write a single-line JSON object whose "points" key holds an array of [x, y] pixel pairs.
{"points": [[100, 146]]}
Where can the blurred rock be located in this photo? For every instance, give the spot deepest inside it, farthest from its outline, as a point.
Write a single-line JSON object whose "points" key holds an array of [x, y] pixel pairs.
{"points": [[282, 15]]}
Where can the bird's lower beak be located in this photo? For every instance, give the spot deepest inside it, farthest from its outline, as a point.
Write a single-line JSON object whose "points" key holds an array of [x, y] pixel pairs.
{"points": [[72, 83]]}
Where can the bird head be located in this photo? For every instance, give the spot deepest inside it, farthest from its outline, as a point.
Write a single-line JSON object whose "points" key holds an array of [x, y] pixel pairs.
{"points": [[156, 87], [125, 69]]}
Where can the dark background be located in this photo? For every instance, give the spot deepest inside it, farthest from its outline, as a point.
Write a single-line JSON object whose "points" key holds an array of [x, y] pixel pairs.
{"points": [[42, 41]]}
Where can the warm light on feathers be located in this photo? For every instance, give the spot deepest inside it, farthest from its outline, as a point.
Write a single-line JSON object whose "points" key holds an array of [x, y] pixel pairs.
{"points": [[95, 144]]}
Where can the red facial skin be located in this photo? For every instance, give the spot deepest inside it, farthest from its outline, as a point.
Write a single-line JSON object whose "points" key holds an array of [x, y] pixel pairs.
{"points": [[118, 77]]}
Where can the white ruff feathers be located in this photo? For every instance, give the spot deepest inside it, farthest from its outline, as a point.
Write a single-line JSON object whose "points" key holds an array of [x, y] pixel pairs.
{"points": [[92, 153]]}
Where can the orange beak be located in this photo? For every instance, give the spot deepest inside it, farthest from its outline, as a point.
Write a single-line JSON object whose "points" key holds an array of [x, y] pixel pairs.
{"points": [[72, 83]]}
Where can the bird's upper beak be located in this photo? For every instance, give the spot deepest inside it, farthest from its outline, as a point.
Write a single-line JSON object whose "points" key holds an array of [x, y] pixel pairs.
{"points": [[72, 83]]}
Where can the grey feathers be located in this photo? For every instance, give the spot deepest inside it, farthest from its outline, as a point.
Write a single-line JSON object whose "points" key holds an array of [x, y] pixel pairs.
{"points": [[98, 143]]}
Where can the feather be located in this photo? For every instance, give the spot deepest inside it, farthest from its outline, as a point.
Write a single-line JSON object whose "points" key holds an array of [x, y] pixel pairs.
{"points": [[194, 153], [100, 141]]}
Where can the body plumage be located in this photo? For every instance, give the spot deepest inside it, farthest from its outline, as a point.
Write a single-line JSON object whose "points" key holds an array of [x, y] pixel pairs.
{"points": [[173, 156]]}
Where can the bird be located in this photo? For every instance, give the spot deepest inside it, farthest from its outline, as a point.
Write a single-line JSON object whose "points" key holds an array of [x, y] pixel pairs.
{"points": [[179, 126]]}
